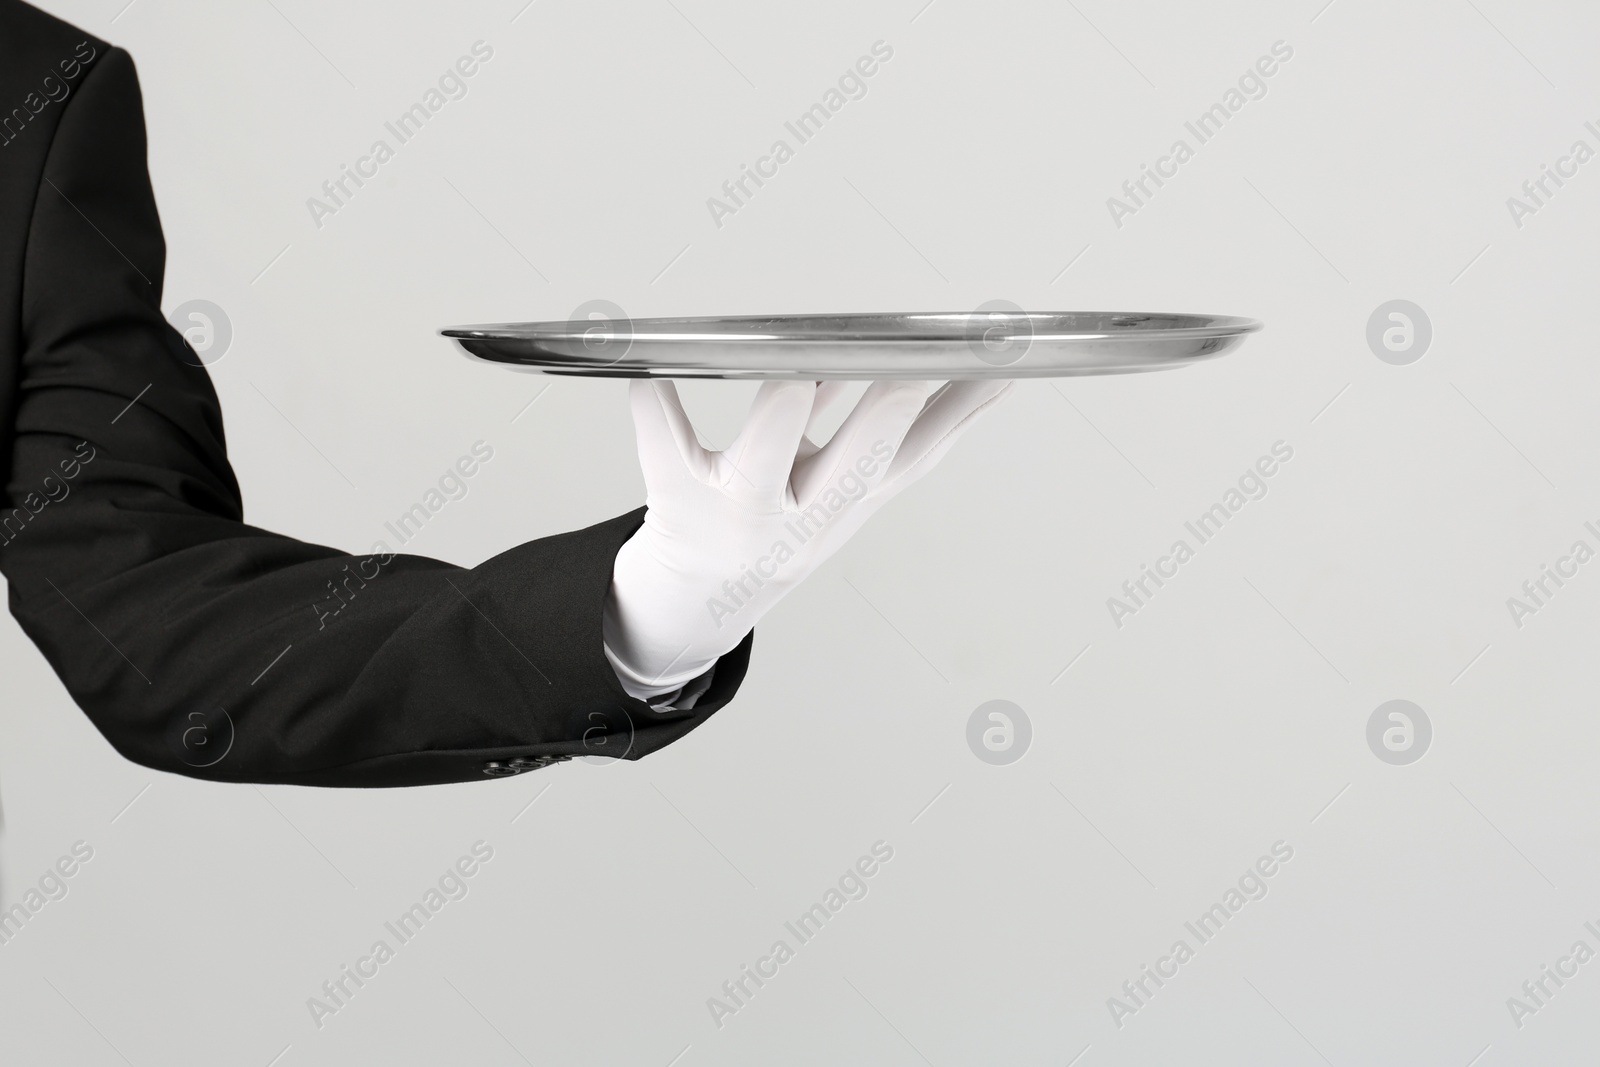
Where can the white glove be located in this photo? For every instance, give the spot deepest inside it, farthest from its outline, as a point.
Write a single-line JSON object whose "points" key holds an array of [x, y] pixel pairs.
{"points": [[727, 534]]}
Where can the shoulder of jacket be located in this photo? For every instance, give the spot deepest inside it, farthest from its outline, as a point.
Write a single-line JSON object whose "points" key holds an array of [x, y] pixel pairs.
{"points": [[34, 43]]}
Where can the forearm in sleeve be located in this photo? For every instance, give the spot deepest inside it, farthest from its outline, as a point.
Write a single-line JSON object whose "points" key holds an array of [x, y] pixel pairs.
{"points": [[164, 614]]}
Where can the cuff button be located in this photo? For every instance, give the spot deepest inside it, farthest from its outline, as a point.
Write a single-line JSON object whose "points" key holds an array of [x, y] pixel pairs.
{"points": [[504, 768]]}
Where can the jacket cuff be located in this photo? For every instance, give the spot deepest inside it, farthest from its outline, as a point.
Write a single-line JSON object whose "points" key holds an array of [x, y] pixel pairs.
{"points": [[549, 599]]}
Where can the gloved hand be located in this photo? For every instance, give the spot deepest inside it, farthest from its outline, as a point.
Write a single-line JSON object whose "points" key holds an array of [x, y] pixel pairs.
{"points": [[728, 534]]}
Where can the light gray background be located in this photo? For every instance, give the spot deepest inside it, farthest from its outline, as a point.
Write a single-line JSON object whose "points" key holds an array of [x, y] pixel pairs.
{"points": [[1229, 714]]}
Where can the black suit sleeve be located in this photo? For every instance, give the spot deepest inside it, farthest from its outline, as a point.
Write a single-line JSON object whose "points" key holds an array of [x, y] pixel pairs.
{"points": [[201, 645]]}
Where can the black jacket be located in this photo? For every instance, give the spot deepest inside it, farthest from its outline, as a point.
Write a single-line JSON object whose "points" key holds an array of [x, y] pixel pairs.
{"points": [[122, 533]]}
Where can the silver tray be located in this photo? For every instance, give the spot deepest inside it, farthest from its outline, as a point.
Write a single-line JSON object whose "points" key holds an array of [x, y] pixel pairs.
{"points": [[936, 345]]}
